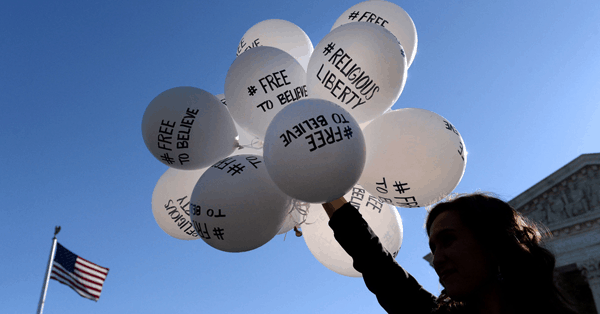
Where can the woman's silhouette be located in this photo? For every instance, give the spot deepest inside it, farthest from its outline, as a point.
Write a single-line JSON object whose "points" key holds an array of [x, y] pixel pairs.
{"points": [[489, 259]]}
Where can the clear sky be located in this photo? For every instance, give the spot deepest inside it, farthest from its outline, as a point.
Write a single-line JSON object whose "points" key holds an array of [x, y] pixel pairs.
{"points": [[519, 79]]}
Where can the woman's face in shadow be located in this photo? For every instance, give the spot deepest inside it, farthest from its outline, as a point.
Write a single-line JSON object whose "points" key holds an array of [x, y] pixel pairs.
{"points": [[463, 264]]}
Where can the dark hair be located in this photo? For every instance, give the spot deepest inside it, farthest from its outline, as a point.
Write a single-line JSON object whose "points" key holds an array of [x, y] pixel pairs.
{"points": [[526, 266]]}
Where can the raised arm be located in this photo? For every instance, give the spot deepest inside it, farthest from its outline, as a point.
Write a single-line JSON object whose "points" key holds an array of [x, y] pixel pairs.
{"points": [[396, 290]]}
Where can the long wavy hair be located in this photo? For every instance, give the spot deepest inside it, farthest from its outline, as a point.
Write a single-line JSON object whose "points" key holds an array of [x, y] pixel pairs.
{"points": [[526, 267]]}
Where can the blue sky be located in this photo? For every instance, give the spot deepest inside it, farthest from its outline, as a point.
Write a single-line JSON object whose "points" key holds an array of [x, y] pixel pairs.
{"points": [[519, 80]]}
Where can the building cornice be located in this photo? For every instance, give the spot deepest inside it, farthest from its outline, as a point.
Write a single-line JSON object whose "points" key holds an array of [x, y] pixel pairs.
{"points": [[554, 179]]}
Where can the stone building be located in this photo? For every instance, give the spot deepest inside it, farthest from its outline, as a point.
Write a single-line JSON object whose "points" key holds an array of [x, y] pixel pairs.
{"points": [[568, 203]]}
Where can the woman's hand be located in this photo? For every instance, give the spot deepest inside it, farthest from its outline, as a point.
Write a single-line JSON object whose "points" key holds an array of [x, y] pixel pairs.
{"points": [[332, 206]]}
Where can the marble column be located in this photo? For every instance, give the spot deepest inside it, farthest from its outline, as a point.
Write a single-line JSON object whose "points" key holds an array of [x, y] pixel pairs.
{"points": [[591, 270]]}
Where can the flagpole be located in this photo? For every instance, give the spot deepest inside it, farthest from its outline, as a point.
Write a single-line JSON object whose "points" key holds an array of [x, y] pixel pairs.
{"points": [[48, 270]]}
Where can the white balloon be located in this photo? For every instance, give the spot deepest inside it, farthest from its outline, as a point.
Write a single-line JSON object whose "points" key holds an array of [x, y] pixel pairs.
{"points": [[415, 158], [388, 15], [281, 34], [382, 218], [359, 66], [364, 124], [188, 128], [249, 144], [314, 151], [260, 83], [170, 202], [236, 207]]}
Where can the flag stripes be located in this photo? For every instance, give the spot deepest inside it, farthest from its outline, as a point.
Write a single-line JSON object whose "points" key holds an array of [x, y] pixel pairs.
{"points": [[81, 275], [60, 276]]}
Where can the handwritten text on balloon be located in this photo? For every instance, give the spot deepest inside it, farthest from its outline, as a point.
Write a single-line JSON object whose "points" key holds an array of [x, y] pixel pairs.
{"points": [[165, 136], [401, 188], [242, 46], [461, 148], [176, 212], [218, 232], [356, 79], [318, 138]]}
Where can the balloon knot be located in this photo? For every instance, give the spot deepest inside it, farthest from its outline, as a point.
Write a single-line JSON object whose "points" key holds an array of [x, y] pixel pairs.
{"points": [[298, 232]]}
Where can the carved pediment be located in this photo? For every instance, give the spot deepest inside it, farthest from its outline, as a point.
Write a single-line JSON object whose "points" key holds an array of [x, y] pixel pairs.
{"points": [[566, 201], [577, 195]]}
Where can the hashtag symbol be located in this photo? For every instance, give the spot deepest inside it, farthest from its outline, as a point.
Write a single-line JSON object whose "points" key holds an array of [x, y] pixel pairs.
{"points": [[400, 187], [218, 232], [251, 90], [329, 48], [236, 169], [166, 158], [353, 15], [450, 127], [348, 132]]}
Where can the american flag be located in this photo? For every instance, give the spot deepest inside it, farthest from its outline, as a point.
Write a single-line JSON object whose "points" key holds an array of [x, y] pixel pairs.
{"points": [[83, 276]]}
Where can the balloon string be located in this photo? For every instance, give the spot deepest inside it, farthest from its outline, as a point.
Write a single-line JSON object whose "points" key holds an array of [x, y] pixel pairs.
{"points": [[254, 144], [302, 209]]}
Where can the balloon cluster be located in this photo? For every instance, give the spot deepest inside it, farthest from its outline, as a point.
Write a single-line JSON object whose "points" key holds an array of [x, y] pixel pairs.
{"points": [[297, 127]]}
